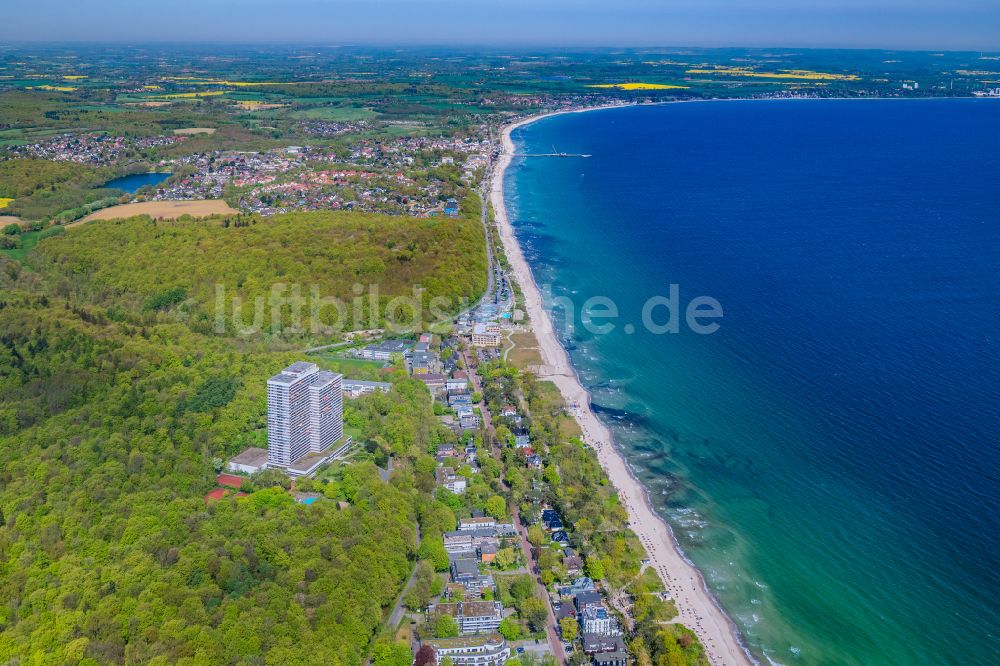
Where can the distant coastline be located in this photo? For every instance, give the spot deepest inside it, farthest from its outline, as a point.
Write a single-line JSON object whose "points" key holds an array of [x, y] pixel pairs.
{"points": [[718, 633]]}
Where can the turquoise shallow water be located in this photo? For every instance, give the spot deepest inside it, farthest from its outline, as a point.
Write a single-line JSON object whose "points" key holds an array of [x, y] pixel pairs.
{"points": [[830, 457]]}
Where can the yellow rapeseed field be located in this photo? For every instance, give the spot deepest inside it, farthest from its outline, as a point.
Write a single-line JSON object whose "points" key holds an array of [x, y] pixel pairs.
{"points": [[4, 202], [636, 86], [802, 74], [203, 93]]}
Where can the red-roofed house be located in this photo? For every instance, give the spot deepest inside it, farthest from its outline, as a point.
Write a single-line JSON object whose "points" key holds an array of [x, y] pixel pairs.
{"points": [[229, 480]]}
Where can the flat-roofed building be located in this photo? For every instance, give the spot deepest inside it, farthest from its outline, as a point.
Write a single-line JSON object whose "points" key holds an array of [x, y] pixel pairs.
{"points": [[434, 382], [457, 382], [487, 650], [383, 351], [484, 335], [250, 461], [467, 541], [354, 388]]}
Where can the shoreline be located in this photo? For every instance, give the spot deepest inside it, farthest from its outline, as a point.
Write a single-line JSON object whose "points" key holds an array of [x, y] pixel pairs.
{"points": [[698, 608]]}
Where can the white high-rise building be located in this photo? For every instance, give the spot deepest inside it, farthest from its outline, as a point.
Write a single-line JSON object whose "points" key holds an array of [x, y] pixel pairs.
{"points": [[304, 412], [326, 410]]}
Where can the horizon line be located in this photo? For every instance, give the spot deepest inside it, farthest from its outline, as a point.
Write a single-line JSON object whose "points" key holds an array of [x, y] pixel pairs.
{"points": [[5, 44]]}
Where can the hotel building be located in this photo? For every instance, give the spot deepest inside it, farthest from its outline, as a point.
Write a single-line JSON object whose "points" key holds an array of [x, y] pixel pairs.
{"points": [[304, 413]]}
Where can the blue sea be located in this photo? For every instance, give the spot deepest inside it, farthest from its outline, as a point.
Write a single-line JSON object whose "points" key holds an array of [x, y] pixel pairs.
{"points": [[830, 456], [136, 181]]}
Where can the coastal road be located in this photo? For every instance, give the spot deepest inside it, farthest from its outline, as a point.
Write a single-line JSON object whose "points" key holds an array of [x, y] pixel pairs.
{"points": [[396, 616], [550, 623], [491, 283], [477, 385]]}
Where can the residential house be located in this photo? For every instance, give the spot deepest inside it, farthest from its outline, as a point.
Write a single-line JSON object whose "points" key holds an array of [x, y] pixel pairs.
{"points": [[473, 617], [459, 397], [477, 523], [588, 599], [597, 643], [551, 520], [446, 478], [597, 620], [615, 658], [534, 461], [448, 450], [488, 553], [573, 564], [579, 585], [506, 530], [465, 572], [421, 363], [434, 382], [467, 418]]}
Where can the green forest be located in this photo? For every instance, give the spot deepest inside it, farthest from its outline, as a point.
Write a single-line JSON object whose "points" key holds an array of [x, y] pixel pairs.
{"points": [[115, 414], [144, 270]]}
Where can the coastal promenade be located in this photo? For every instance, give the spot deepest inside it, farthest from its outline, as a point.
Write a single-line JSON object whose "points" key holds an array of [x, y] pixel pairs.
{"points": [[698, 608]]}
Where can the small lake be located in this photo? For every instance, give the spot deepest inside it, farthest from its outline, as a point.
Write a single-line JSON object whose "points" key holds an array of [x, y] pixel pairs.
{"points": [[134, 182]]}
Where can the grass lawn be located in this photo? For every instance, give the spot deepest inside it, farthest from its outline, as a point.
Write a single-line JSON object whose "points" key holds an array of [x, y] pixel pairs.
{"points": [[29, 239], [354, 368], [551, 397], [525, 351]]}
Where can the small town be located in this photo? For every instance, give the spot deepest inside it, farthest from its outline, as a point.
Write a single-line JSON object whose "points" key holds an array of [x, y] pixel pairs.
{"points": [[420, 177], [508, 582]]}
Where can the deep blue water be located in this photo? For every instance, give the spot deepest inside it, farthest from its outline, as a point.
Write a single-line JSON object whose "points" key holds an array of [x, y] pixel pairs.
{"points": [[136, 181], [830, 456]]}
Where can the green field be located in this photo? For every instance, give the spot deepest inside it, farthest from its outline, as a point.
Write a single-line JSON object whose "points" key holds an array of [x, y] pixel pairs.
{"points": [[336, 113]]}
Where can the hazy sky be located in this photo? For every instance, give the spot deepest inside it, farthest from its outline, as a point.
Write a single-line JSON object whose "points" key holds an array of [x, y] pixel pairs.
{"points": [[916, 24]]}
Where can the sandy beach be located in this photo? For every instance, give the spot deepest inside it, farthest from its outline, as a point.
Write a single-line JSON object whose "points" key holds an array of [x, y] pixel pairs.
{"points": [[698, 608]]}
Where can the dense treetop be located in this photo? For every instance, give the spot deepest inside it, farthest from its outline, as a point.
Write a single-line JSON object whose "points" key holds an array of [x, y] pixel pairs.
{"points": [[114, 411], [140, 264]]}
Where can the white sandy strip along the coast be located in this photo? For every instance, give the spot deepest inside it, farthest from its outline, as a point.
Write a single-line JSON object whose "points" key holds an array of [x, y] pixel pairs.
{"points": [[698, 608]]}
